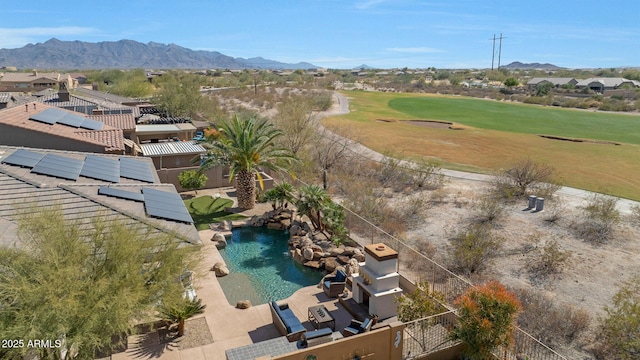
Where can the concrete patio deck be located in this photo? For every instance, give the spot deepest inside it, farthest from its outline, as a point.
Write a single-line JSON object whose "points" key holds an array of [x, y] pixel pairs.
{"points": [[230, 327]]}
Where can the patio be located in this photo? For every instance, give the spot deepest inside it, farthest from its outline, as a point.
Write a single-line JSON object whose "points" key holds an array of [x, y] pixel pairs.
{"points": [[229, 327]]}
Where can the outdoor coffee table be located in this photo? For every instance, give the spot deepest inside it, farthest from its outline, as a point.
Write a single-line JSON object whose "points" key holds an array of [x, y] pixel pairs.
{"points": [[320, 315]]}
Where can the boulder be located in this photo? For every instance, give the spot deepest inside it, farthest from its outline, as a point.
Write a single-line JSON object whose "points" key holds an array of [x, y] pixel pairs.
{"points": [[220, 269], [275, 225], [243, 304], [358, 255], [297, 256], [218, 237], [307, 253], [334, 251], [349, 251], [221, 244], [352, 267], [295, 230], [342, 259], [286, 223], [313, 264], [330, 264]]}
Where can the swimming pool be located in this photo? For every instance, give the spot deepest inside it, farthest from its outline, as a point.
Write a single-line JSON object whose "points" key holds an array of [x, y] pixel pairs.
{"points": [[260, 267]]}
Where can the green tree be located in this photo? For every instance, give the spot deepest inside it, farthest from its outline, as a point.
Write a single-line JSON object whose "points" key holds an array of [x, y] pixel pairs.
{"points": [[280, 196], [486, 320], [179, 94], [247, 146], [511, 82], [543, 88], [295, 119], [85, 285], [192, 180], [312, 200], [420, 303], [183, 310], [620, 329]]}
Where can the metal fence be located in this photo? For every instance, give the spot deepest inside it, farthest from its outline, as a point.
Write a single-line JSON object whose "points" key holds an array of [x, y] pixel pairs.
{"points": [[427, 335]]}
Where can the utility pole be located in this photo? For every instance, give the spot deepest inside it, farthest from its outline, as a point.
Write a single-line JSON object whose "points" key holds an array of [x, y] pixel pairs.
{"points": [[493, 51]]}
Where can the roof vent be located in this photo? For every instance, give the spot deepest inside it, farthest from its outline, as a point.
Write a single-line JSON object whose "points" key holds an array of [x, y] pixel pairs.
{"points": [[63, 93]]}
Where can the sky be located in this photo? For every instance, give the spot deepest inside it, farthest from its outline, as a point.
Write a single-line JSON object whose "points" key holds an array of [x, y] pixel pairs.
{"points": [[344, 34]]}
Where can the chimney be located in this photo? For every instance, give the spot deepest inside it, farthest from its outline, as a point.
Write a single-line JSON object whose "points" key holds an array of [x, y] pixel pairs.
{"points": [[26, 107], [98, 111], [35, 72], [63, 93]]}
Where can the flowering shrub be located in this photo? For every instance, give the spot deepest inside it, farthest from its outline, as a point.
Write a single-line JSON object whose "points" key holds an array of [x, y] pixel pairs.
{"points": [[486, 319]]}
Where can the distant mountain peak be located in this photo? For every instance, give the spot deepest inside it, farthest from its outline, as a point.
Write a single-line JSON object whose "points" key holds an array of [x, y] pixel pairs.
{"points": [[127, 54], [531, 66]]}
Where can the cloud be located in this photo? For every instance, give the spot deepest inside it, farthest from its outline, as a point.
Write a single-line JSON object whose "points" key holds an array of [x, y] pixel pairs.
{"points": [[18, 37], [368, 4], [416, 50]]}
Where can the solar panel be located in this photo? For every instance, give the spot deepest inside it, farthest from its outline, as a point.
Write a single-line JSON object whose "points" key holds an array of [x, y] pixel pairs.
{"points": [[165, 205], [136, 170], [121, 194], [59, 166], [48, 116], [24, 158], [101, 168], [91, 124], [71, 120]]}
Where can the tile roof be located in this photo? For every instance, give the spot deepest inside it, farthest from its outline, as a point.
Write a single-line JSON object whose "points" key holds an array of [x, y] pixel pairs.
{"points": [[109, 137], [164, 128], [79, 200], [608, 82], [118, 121], [28, 77], [99, 95]]}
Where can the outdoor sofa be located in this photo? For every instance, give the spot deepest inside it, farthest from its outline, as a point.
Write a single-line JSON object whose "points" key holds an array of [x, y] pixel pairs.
{"points": [[286, 321]]}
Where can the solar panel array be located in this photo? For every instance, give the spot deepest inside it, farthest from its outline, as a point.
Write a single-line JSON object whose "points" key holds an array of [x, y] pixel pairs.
{"points": [[119, 193], [101, 168], [136, 170], [165, 205], [24, 158], [59, 166], [57, 116], [94, 167]]}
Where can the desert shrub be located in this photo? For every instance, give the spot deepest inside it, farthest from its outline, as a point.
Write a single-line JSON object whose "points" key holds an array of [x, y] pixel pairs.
{"points": [[486, 320], [524, 178], [554, 211], [490, 211], [619, 333], [414, 258], [472, 248], [550, 259], [599, 219], [420, 303], [548, 321], [427, 175], [412, 208]]}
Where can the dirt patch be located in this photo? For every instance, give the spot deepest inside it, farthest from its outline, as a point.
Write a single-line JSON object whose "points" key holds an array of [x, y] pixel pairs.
{"points": [[386, 120], [552, 137]]}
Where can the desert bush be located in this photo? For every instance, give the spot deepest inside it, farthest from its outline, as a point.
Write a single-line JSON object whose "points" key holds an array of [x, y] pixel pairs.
{"points": [[548, 321], [619, 332], [524, 178], [428, 176], [471, 249], [599, 219], [554, 211], [490, 211], [550, 259], [635, 215], [414, 258]]}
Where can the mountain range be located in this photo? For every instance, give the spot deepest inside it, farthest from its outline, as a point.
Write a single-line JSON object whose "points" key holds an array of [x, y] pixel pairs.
{"points": [[127, 54]]}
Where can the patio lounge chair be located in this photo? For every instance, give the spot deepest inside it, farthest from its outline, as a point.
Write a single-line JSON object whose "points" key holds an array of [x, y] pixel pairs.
{"points": [[333, 286], [199, 136], [356, 327]]}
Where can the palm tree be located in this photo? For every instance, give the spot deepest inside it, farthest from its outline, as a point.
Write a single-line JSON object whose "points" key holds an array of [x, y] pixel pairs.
{"points": [[312, 199], [247, 146], [182, 311], [280, 196]]}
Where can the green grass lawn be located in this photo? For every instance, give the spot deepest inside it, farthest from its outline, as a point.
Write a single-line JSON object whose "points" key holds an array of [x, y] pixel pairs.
{"points": [[523, 118], [206, 210], [496, 135]]}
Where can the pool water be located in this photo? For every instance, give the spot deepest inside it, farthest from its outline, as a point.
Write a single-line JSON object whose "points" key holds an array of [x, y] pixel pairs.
{"points": [[260, 268]]}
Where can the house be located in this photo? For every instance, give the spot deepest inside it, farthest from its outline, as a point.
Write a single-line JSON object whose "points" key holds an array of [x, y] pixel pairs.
{"points": [[555, 82], [88, 186], [84, 104], [39, 125], [34, 81], [601, 84], [6, 100]]}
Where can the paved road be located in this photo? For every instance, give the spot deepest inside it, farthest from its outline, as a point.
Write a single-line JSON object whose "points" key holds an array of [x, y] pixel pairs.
{"points": [[341, 106]]}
